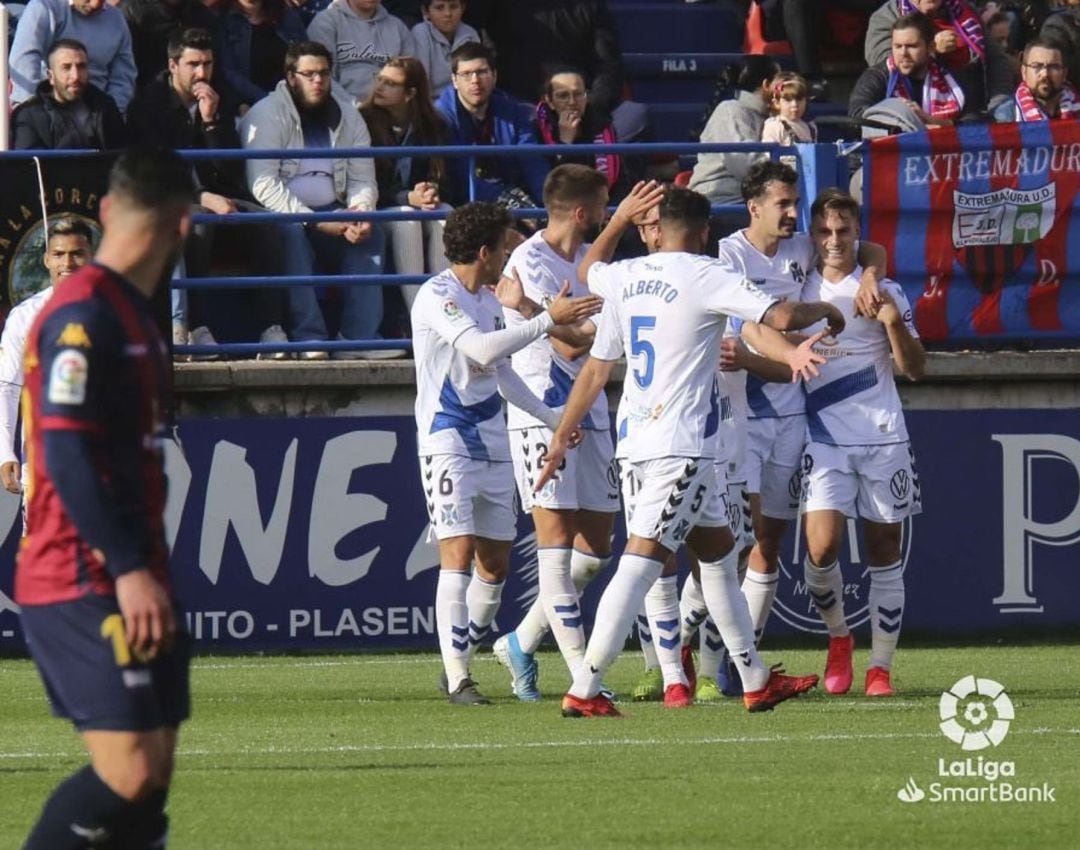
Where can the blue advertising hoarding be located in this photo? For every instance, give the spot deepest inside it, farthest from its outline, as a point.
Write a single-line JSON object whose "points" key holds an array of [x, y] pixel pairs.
{"points": [[312, 534]]}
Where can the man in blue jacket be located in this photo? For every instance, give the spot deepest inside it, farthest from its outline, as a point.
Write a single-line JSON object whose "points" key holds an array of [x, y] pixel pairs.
{"points": [[479, 114]]}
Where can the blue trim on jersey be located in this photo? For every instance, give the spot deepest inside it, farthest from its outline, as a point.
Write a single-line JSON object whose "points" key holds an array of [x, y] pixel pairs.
{"points": [[559, 391], [712, 421], [624, 429], [756, 399], [466, 418], [834, 393]]}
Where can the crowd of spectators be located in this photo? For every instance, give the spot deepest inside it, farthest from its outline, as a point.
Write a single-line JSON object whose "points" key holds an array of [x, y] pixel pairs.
{"points": [[328, 75]]}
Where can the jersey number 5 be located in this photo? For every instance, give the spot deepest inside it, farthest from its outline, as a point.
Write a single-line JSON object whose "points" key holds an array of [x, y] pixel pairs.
{"points": [[640, 347]]}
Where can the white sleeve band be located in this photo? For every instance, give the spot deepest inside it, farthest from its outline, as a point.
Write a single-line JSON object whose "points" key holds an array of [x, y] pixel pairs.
{"points": [[487, 348], [517, 393]]}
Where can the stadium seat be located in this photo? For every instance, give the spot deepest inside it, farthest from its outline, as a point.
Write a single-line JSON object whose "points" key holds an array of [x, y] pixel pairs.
{"points": [[754, 38]]}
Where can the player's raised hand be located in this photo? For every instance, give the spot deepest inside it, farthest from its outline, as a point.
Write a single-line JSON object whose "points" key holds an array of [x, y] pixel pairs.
{"points": [[9, 476], [565, 310], [643, 197], [510, 291], [558, 446], [149, 620], [868, 298], [803, 359]]}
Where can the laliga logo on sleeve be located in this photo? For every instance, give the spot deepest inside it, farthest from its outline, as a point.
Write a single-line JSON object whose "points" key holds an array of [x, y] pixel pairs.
{"points": [[976, 713]]}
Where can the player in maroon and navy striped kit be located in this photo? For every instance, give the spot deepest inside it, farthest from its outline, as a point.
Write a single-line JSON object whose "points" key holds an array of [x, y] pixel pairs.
{"points": [[93, 573]]}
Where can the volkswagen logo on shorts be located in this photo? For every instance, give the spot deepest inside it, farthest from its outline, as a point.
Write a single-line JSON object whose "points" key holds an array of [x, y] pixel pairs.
{"points": [[900, 484]]}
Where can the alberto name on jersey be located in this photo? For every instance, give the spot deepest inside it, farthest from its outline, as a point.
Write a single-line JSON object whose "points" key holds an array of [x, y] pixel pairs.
{"points": [[855, 402], [95, 363], [458, 407], [546, 372], [668, 311]]}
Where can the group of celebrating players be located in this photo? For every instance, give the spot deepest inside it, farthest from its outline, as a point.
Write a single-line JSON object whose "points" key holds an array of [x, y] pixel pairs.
{"points": [[719, 443], [730, 423]]}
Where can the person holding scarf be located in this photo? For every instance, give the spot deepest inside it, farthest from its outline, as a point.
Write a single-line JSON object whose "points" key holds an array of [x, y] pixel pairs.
{"points": [[564, 117], [910, 84], [959, 43]]}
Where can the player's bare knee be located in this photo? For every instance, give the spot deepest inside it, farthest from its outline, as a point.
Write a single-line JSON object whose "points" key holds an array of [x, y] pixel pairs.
{"points": [[882, 541], [823, 553]]}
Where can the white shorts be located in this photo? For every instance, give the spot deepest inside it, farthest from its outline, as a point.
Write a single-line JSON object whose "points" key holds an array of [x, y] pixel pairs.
{"points": [[665, 498], [740, 518], [878, 483], [466, 496], [588, 479], [774, 449]]}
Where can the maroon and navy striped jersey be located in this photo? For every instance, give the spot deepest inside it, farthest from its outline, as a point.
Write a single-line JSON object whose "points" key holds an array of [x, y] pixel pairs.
{"points": [[96, 367]]}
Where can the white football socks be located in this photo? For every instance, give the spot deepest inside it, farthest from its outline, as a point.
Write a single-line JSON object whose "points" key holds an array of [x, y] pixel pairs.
{"points": [[482, 598], [662, 607], [692, 610], [729, 610], [644, 630], [452, 625], [886, 612], [826, 587], [559, 598], [584, 567], [760, 591], [618, 606]]}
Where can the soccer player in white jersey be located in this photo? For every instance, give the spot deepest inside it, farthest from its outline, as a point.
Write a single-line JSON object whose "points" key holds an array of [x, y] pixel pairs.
{"points": [[667, 311], [574, 514], [463, 374], [67, 249], [858, 459], [766, 434]]}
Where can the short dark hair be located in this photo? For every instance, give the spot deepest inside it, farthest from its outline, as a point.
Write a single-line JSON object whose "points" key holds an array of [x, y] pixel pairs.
{"points": [[480, 224], [152, 179], [65, 44], [424, 4], [193, 38], [305, 48], [761, 174], [915, 21], [70, 225], [562, 68], [571, 185], [469, 51], [1045, 44], [685, 207], [834, 200]]}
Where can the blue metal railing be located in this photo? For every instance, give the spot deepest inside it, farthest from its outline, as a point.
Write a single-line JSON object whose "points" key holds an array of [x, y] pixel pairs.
{"points": [[819, 166]]}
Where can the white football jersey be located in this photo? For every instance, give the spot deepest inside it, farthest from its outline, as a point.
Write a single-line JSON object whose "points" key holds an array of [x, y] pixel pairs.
{"points": [[458, 407], [855, 402], [546, 372], [12, 348], [782, 276], [667, 313]]}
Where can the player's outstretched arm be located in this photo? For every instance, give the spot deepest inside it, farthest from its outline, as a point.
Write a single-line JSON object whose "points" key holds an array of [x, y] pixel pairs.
{"points": [[642, 198], [796, 315], [517, 393], [781, 360], [589, 383], [907, 350]]}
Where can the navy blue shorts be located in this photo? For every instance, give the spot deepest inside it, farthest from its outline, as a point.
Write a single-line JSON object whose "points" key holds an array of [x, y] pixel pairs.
{"points": [[90, 675]]}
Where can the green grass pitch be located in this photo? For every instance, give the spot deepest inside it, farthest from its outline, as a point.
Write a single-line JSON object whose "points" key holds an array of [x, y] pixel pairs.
{"points": [[361, 751]]}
